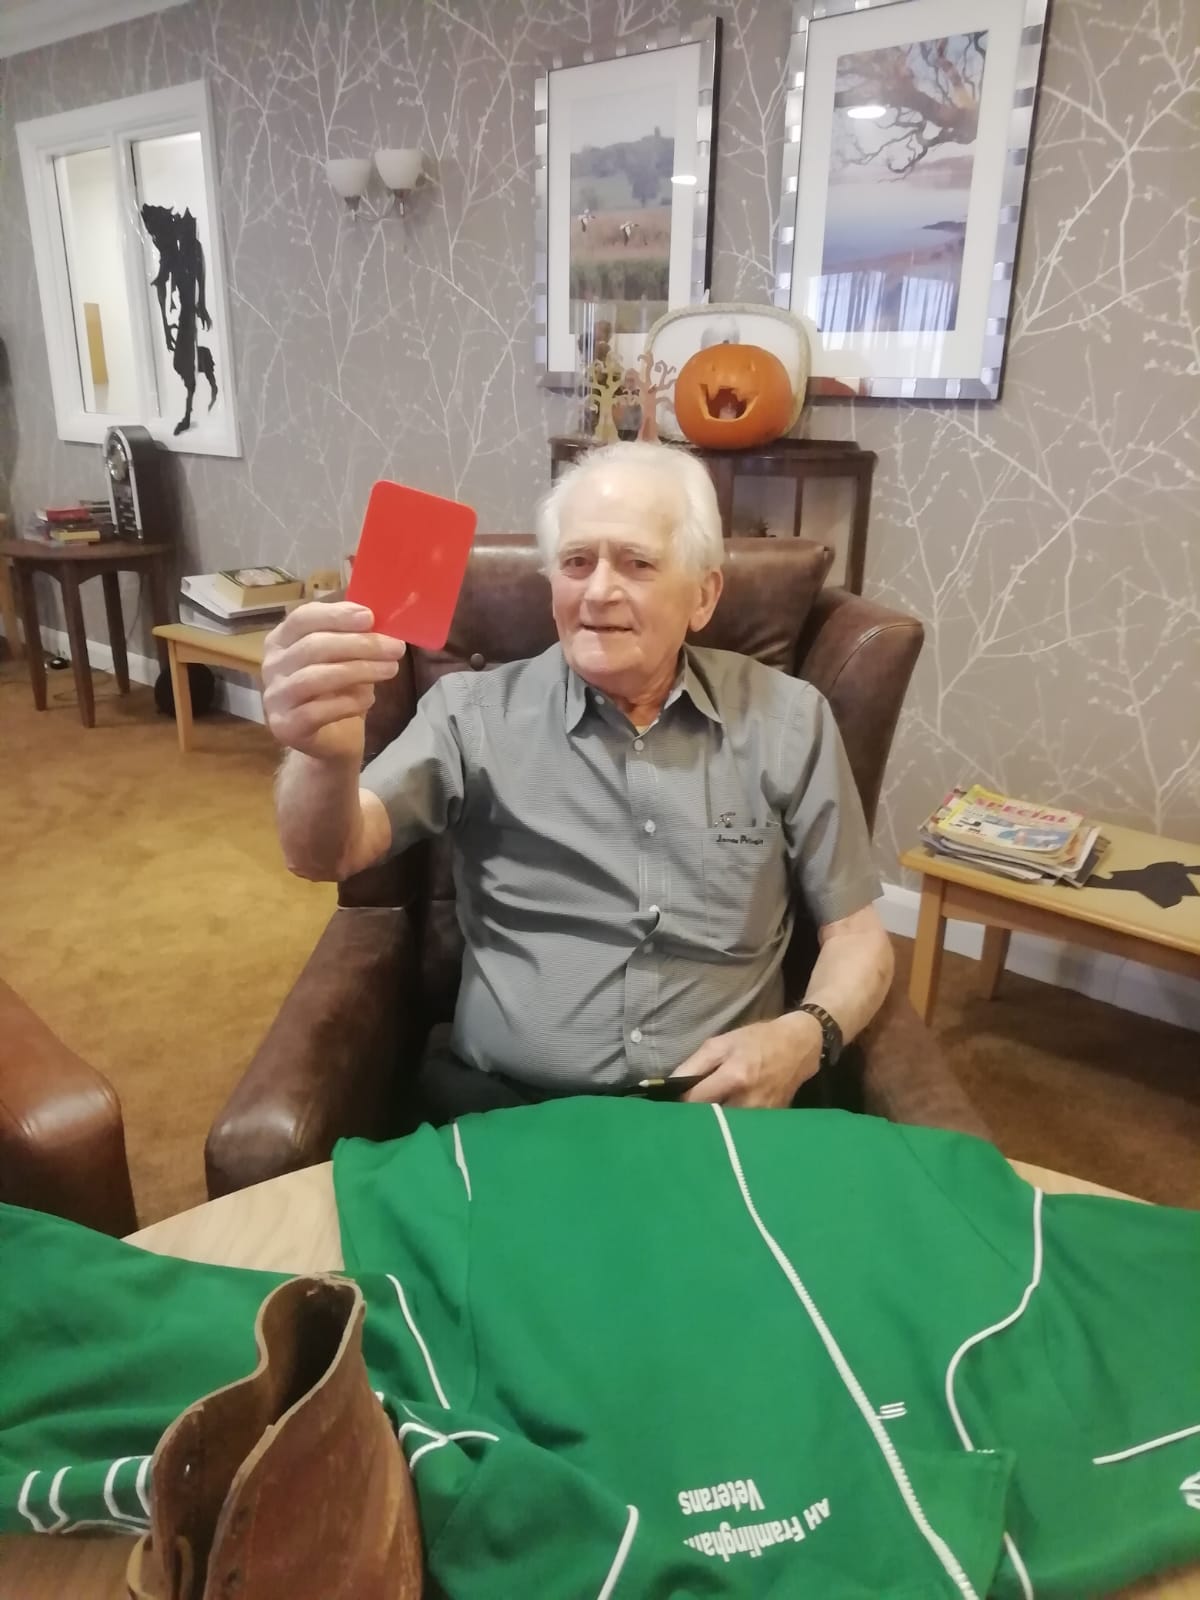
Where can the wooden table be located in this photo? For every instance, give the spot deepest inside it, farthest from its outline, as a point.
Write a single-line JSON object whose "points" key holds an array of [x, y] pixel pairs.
{"points": [[290, 1225], [1140, 916], [241, 652], [71, 566], [797, 459]]}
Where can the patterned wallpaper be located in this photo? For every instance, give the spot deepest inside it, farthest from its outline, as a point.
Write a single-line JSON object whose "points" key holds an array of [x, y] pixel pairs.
{"points": [[1049, 542]]}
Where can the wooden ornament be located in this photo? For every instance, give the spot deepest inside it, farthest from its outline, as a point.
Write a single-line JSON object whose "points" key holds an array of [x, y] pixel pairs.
{"points": [[606, 377], [649, 378]]}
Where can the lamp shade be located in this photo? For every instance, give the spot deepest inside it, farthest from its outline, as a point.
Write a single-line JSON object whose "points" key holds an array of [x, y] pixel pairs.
{"points": [[399, 169], [348, 176]]}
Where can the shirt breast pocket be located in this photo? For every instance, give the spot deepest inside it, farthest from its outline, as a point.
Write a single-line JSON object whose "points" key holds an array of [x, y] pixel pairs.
{"points": [[745, 887]]}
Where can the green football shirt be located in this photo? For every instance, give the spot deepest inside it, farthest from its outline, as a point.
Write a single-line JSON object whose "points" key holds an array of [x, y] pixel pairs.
{"points": [[646, 1350]]}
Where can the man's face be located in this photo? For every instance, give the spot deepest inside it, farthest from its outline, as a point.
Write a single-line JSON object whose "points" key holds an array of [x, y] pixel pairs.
{"points": [[623, 604]]}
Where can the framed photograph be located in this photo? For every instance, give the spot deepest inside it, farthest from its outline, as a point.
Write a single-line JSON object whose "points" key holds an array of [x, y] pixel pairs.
{"points": [[678, 335], [908, 132], [625, 146]]}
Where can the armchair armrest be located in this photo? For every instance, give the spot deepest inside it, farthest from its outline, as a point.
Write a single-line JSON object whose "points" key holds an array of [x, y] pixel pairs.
{"points": [[62, 1138], [328, 1067], [906, 1078], [861, 656]]}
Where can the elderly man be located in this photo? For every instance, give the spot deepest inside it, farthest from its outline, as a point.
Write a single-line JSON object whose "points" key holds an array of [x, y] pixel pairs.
{"points": [[632, 816]]}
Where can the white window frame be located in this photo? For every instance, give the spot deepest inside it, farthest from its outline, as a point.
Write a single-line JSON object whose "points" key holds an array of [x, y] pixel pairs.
{"points": [[120, 124]]}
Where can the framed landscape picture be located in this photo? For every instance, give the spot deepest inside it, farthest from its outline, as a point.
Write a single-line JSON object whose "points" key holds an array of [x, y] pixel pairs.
{"points": [[624, 142], [908, 133]]}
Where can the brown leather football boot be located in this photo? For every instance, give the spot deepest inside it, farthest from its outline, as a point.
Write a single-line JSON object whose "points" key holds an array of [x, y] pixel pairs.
{"points": [[289, 1484]]}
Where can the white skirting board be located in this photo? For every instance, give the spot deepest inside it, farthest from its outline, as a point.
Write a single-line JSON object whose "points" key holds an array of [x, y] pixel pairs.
{"points": [[1128, 984], [1150, 991], [236, 693]]}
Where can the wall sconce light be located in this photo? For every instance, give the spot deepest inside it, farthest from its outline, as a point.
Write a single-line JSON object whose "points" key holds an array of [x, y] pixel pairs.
{"points": [[349, 177], [401, 172]]}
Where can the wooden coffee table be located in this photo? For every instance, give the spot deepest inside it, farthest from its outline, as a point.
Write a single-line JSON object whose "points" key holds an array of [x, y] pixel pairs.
{"points": [[1149, 912], [290, 1225]]}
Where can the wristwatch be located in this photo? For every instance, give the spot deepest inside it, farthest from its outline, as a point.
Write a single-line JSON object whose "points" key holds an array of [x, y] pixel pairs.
{"points": [[831, 1034]]}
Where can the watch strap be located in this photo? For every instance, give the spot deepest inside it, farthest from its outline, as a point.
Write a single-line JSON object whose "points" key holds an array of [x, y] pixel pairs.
{"points": [[831, 1033]]}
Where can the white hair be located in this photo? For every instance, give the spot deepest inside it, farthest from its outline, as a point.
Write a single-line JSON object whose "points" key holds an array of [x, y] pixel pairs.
{"points": [[696, 538]]}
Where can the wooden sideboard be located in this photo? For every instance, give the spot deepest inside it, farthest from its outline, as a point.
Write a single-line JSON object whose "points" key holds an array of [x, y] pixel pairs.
{"points": [[796, 459]]}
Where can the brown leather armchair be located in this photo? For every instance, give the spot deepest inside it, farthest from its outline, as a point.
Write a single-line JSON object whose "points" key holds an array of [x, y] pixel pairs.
{"points": [[62, 1139], [341, 1056]]}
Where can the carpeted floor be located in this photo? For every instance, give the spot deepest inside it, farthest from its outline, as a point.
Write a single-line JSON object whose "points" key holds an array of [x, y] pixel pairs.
{"points": [[1074, 1084], [145, 912], [146, 915]]}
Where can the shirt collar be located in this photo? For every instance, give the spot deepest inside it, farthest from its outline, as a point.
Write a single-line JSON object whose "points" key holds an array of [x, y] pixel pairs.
{"points": [[688, 682], [693, 684]]}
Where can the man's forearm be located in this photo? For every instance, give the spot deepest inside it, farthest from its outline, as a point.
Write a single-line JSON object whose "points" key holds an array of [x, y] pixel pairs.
{"points": [[852, 975], [318, 812]]}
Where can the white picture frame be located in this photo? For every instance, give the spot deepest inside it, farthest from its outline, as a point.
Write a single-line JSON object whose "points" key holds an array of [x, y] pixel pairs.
{"points": [[898, 235], [669, 81], [153, 395]]}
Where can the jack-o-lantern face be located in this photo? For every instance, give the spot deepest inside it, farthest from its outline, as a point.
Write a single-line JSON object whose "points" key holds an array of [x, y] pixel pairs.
{"points": [[733, 396]]}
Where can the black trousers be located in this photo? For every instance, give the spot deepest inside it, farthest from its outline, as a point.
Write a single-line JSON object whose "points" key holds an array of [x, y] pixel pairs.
{"points": [[449, 1087]]}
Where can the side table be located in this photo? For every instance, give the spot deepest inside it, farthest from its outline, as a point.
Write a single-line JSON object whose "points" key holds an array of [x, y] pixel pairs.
{"points": [[8, 605], [242, 652], [1141, 904], [72, 566]]}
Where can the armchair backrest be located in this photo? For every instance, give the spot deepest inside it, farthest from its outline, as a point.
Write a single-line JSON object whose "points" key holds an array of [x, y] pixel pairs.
{"points": [[771, 601]]}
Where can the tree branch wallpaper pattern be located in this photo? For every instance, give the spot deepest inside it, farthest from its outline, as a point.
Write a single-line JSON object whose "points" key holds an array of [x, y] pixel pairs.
{"points": [[1049, 541]]}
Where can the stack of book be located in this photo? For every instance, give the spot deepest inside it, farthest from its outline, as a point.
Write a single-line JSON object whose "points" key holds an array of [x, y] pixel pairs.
{"points": [[86, 522], [1015, 838], [241, 600]]}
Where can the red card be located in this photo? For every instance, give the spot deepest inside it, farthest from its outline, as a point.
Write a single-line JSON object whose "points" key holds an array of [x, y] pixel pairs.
{"points": [[411, 560]]}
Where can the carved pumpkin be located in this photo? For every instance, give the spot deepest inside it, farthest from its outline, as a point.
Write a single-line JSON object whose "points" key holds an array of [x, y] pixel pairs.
{"points": [[733, 396]]}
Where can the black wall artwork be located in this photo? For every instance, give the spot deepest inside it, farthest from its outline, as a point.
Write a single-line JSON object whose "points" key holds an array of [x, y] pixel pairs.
{"points": [[179, 285]]}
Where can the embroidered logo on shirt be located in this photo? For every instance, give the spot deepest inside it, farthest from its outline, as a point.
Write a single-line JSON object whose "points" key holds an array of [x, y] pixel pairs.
{"points": [[1190, 1490]]}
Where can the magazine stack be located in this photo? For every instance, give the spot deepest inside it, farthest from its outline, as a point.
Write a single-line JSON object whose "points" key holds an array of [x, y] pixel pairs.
{"points": [[1016, 838]]}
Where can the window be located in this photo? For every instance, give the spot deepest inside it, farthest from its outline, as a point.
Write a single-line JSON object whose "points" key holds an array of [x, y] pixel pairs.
{"points": [[125, 226]]}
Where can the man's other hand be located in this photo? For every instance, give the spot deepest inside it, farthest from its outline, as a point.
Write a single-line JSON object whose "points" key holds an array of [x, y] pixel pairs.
{"points": [[320, 668], [763, 1064]]}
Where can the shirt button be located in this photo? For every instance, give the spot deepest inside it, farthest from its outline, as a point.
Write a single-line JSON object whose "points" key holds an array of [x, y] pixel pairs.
{"points": [[477, 662], [649, 826], [639, 744], [599, 699], [636, 1036]]}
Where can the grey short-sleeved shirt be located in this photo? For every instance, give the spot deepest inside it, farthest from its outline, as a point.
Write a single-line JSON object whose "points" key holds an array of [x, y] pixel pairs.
{"points": [[625, 896]]}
